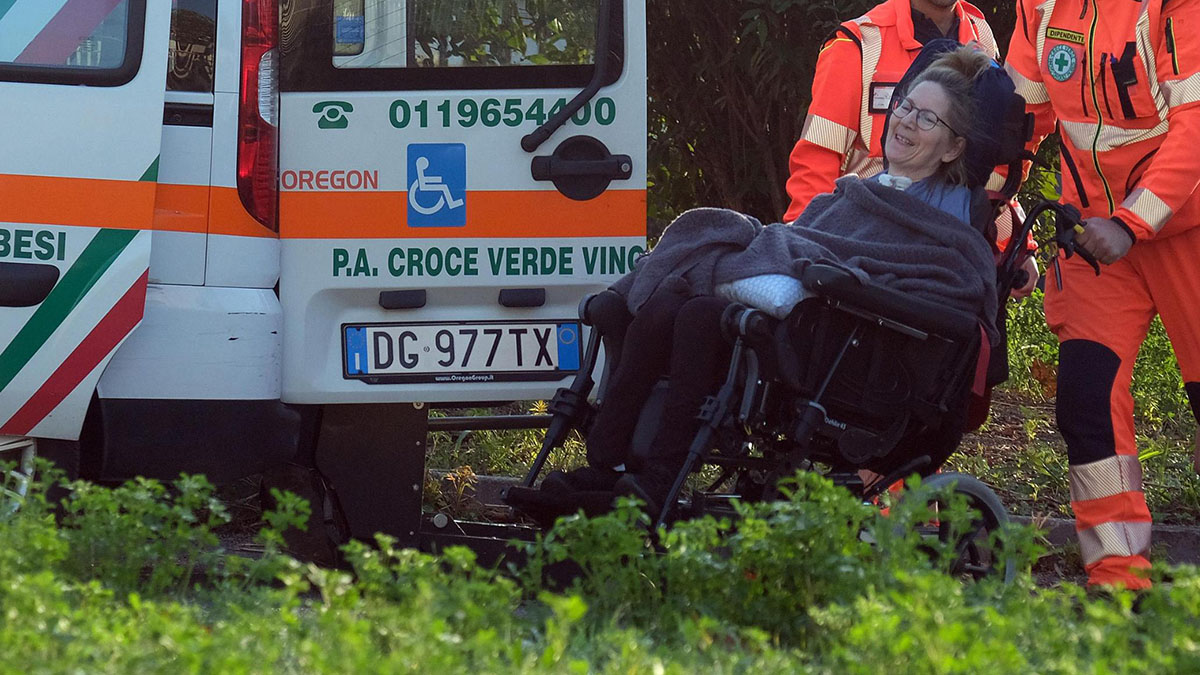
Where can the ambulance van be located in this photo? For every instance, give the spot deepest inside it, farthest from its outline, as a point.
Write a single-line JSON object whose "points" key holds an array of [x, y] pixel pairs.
{"points": [[238, 233]]}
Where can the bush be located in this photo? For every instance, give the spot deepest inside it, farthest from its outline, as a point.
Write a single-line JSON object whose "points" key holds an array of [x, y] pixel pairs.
{"points": [[790, 587]]}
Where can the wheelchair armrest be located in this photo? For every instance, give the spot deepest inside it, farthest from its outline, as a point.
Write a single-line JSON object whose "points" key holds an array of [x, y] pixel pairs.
{"points": [[840, 284]]}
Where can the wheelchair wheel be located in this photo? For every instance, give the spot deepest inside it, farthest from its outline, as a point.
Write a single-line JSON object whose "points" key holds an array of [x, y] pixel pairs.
{"points": [[976, 556]]}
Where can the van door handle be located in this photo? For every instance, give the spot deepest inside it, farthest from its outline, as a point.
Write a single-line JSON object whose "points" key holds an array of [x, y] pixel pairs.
{"points": [[549, 168], [581, 167], [26, 284]]}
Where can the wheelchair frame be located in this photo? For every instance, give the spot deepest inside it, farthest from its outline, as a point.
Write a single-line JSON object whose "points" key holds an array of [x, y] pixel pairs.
{"points": [[789, 443]]}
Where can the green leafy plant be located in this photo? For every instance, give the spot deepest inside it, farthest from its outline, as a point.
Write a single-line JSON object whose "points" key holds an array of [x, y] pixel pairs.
{"points": [[815, 583]]}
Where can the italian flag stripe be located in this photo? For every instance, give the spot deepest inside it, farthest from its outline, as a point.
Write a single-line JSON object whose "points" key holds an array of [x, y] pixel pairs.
{"points": [[91, 265], [103, 339]]}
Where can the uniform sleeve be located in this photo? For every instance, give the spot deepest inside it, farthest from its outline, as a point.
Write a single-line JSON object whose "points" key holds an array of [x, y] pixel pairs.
{"points": [[1023, 67], [1174, 173], [830, 127]]}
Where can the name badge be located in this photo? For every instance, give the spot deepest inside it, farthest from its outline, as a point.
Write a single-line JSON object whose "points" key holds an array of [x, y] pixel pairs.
{"points": [[881, 96]]}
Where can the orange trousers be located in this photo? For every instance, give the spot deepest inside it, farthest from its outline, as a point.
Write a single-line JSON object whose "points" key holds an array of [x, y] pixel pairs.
{"points": [[1101, 322]]}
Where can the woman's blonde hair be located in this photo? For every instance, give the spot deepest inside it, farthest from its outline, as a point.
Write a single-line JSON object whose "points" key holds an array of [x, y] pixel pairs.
{"points": [[956, 72]]}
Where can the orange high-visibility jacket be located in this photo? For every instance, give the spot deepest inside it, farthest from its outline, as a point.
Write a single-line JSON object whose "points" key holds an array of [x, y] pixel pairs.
{"points": [[857, 71], [1122, 79]]}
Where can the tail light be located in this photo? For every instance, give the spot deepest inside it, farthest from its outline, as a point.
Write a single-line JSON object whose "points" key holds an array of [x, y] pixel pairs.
{"points": [[258, 112]]}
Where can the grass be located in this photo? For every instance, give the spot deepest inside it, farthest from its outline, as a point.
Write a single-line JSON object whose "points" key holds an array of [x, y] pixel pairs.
{"points": [[498, 453], [131, 580]]}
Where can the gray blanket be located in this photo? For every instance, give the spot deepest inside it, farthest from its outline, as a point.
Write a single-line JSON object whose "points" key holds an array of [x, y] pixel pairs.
{"points": [[878, 233]]}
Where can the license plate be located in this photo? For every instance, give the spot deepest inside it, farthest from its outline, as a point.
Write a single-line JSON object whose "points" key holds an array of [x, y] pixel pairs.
{"points": [[460, 352]]}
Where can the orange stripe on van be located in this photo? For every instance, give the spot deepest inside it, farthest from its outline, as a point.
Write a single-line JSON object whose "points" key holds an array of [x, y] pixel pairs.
{"points": [[227, 215], [200, 208], [86, 202], [181, 208], [491, 214]]}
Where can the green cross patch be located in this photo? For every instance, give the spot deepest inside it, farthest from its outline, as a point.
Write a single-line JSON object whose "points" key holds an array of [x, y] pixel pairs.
{"points": [[1061, 62]]}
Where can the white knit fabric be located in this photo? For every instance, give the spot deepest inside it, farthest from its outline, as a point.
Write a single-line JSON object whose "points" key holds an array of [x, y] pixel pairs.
{"points": [[775, 294]]}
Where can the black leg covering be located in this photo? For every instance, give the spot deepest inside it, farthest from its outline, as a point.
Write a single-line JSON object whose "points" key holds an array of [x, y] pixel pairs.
{"points": [[645, 357], [698, 366], [1193, 394], [1086, 372]]}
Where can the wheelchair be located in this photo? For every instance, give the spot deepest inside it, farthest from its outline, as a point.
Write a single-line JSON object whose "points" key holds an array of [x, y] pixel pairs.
{"points": [[856, 377]]}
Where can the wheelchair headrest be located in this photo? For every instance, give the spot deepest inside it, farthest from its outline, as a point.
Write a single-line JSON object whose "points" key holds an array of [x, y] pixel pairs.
{"points": [[1001, 129]]}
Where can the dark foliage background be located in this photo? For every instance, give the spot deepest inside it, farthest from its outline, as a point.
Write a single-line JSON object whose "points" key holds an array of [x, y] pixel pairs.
{"points": [[729, 85]]}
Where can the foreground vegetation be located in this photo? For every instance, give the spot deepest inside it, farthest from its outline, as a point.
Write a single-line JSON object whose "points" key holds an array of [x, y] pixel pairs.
{"points": [[132, 580]]}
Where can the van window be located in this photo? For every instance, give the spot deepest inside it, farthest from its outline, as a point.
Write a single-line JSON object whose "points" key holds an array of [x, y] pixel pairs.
{"points": [[192, 54], [364, 45], [453, 33], [74, 42]]}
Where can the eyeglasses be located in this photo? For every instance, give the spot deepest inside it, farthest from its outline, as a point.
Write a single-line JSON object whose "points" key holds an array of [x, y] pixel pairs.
{"points": [[926, 119]]}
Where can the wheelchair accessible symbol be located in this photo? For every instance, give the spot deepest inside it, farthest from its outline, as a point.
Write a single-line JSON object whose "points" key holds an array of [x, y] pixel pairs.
{"points": [[437, 187]]}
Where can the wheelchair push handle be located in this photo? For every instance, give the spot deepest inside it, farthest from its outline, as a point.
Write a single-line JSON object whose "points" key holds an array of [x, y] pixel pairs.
{"points": [[1067, 223]]}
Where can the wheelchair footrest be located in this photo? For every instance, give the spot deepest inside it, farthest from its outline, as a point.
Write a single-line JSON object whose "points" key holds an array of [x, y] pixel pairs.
{"points": [[545, 507]]}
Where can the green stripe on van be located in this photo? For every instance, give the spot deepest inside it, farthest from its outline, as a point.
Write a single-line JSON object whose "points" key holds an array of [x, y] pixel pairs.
{"points": [[151, 174], [95, 260], [6, 5]]}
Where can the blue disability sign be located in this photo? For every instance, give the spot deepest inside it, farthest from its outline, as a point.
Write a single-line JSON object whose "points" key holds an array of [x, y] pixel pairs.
{"points": [[437, 185]]}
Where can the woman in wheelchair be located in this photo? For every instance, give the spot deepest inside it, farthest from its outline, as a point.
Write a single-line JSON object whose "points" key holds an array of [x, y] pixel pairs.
{"points": [[908, 229]]}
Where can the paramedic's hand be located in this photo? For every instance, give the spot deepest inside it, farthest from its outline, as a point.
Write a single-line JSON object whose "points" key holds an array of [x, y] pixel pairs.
{"points": [[1104, 239], [1031, 278]]}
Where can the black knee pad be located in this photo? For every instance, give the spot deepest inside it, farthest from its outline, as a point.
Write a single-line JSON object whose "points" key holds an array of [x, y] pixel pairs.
{"points": [[1193, 394], [1086, 371]]}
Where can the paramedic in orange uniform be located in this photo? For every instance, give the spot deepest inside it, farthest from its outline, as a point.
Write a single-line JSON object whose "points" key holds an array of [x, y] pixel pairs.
{"points": [[1122, 80], [842, 131], [857, 71]]}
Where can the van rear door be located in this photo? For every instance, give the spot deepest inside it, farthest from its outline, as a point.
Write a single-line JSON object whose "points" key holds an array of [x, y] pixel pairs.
{"points": [[426, 254], [81, 107]]}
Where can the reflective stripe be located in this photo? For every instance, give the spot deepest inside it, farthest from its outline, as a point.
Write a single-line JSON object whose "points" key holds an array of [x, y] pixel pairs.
{"points": [[1145, 50], [872, 50], [1114, 539], [1181, 92], [827, 134], [995, 182], [984, 33], [1046, 9], [1111, 137], [1149, 207], [863, 165], [1004, 226], [1033, 92], [1105, 478]]}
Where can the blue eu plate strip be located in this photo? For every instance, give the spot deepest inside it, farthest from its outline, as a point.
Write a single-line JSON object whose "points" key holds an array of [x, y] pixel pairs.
{"points": [[568, 346], [356, 351]]}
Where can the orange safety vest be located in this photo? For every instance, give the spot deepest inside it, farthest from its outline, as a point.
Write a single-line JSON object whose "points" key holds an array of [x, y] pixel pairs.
{"points": [[843, 130], [1122, 80]]}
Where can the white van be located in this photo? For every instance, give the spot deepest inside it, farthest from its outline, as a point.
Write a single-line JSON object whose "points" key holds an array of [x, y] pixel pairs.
{"points": [[335, 212]]}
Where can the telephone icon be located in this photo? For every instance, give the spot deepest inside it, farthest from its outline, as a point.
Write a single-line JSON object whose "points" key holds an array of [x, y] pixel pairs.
{"points": [[333, 114]]}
